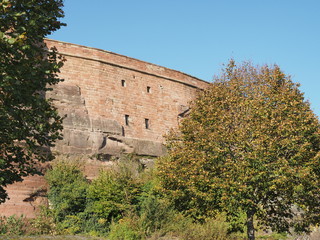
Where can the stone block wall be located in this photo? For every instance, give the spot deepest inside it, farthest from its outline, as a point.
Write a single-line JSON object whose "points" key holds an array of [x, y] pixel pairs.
{"points": [[115, 103], [112, 104]]}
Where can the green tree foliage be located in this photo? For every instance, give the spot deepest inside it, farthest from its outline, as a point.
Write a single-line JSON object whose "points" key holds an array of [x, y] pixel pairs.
{"points": [[67, 188], [121, 203], [250, 146], [27, 120], [113, 193], [82, 206]]}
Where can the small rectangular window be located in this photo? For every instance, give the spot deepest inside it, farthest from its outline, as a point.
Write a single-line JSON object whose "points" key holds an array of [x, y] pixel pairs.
{"points": [[123, 83], [148, 89], [146, 122], [126, 120]]}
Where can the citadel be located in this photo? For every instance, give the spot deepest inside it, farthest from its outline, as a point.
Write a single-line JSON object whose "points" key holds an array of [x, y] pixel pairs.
{"points": [[112, 104]]}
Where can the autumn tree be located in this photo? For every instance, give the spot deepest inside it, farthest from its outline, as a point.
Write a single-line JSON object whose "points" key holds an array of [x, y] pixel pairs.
{"points": [[249, 146], [28, 122]]}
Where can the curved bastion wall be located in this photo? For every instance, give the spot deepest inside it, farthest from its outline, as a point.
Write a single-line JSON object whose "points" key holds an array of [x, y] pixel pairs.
{"points": [[112, 104]]}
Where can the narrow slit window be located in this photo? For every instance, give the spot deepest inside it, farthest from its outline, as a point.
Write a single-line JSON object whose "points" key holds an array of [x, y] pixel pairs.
{"points": [[126, 120], [148, 89], [147, 123], [123, 83]]}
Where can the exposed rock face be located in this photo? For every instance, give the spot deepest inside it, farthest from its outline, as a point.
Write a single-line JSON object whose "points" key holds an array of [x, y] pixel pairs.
{"points": [[86, 135]]}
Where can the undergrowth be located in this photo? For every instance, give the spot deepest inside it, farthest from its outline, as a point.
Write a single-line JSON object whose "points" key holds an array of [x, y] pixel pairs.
{"points": [[122, 203]]}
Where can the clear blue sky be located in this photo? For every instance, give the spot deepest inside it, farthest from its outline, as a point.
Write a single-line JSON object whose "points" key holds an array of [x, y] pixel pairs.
{"points": [[198, 36]]}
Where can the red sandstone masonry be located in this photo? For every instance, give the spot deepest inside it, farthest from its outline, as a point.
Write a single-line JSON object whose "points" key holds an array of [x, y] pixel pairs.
{"points": [[99, 74], [118, 60]]}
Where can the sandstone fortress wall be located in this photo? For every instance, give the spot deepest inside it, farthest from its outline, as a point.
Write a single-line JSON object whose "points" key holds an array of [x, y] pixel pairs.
{"points": [[113, 104]]}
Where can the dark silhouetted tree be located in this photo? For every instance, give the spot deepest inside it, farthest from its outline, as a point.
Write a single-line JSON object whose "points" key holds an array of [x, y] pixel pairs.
{"points": [[28, 122]]}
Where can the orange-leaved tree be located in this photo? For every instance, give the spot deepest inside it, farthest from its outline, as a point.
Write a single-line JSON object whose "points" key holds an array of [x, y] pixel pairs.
{"points": [[249, 147]]}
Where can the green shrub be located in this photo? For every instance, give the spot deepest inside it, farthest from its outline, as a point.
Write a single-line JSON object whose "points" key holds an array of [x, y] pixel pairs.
{"points": [[122, 202], [79, 206], [3, 226], [184, 228], [212, 229], [67, 187], [95, 226], [127, 228], [13, 225], [44, 223], [71, 225], [112, 194], [155, 215]]}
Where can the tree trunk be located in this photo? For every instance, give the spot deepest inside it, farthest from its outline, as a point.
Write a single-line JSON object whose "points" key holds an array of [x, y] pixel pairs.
{"points": [[250, 226]]}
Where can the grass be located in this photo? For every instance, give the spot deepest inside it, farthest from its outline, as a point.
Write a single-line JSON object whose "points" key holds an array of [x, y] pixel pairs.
{"points": [[76, 237]]}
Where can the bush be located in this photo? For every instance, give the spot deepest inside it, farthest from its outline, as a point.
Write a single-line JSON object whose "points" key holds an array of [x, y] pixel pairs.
{"points": [[122, 202], [127, 228], [67, 187], [155, 215], [44, 223], [79, 206], [13, 225], [3, 226], [112, 194], [212, 229]]}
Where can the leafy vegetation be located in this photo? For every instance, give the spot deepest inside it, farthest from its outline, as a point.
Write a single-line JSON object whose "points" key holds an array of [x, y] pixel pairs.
{"points": [[245, 158], [141, 213], [12, 225], [112, 194], [28, 122], [248, 148], [123, 202], [80, 206], [68, 187]]}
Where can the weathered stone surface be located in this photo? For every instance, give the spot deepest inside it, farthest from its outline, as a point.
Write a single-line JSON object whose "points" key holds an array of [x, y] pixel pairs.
{"points": [[147, 162], [150, 92], [74, 141], [106, 126], [145, 147], [78, 139], [71, 105], [115, 146], [98, 140], [64, 93], [76, 119], [85, 135]]}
